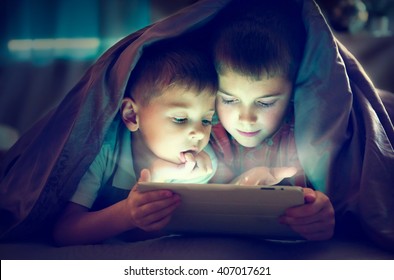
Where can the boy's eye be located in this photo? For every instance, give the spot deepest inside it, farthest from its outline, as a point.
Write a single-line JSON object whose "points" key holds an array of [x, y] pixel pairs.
{"points": [[229, 100], [265, 104], [206, 122], [179, 120]]}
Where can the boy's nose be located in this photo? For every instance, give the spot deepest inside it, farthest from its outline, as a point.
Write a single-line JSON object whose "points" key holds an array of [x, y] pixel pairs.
{"points": [[247, 116], [197, 132]]}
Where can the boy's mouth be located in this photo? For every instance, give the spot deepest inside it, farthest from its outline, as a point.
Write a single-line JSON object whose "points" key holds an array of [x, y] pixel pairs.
{"points": [[248, 134]]}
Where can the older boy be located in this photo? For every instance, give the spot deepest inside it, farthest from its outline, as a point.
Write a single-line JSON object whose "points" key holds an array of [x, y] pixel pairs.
{"points": [[257, 56]]}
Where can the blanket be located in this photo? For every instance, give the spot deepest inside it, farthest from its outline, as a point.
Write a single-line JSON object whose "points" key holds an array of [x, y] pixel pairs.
{"points": [[344, 135]]}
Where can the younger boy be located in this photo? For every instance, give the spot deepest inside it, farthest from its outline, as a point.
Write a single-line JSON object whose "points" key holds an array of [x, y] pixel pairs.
{"points": [[168, 112], [257, 57]]}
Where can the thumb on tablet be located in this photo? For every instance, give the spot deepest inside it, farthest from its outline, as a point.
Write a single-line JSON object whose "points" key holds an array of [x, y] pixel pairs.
{"points": [[144, 176]]}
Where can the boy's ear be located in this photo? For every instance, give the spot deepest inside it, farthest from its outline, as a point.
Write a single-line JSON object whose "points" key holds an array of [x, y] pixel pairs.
{"points": [[129, 114]]}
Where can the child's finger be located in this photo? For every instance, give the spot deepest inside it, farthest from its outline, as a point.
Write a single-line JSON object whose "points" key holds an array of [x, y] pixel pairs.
{"points": [[154, 206], [153, 196], [154, 219], [309, 195], [162, 213], [304, 210], [309, 213], [203, 162], [145, 176], [315, 231], [190, 162], [157, 225], [304, 220], [280, 173]]}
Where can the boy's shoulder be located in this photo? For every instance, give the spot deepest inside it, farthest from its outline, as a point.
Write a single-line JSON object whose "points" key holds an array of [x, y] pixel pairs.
{"points": [[114, 132], [117, 140]]}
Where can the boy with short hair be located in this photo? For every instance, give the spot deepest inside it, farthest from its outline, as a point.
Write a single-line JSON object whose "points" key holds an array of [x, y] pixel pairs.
{"points": [[257, 56], [168, 110]]}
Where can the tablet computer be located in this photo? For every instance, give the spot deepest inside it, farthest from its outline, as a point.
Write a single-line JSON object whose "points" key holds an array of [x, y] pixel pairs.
{"points": [[231, 209]]}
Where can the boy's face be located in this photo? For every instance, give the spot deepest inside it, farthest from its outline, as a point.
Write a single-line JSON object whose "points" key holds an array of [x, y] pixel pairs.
{"points": [[252, 110], [176, 122]]}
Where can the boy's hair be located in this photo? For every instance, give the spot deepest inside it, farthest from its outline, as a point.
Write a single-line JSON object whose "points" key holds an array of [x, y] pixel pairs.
{"points": [[266, 39], [168, 63]]}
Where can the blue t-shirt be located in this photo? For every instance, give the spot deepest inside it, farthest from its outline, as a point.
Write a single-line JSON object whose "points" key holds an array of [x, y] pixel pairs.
{"points": [[111, 176]]}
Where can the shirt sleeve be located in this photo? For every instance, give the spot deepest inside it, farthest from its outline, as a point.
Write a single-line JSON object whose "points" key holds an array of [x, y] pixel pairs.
{"points": [[91, 182]]}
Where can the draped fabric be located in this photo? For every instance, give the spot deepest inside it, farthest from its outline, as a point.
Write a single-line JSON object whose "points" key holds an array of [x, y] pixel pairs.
{"points": [[344, 136]]}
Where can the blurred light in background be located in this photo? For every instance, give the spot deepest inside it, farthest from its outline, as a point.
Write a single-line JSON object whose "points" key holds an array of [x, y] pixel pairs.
{"points": [[50, 44], [45, 30], [46, 46], [59, 48]]}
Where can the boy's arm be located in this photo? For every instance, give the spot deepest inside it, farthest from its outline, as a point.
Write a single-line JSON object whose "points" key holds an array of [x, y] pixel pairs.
{"points": [[149, 211], [78, 225]]}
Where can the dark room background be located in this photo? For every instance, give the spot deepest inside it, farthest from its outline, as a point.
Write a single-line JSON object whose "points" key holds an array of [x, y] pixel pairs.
{"points": [[47, 45]]}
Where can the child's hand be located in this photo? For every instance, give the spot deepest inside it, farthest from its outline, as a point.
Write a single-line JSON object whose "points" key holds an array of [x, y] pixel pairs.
{"points": [[152, 210], [194, 166], [315, 220], [264, 175]]}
